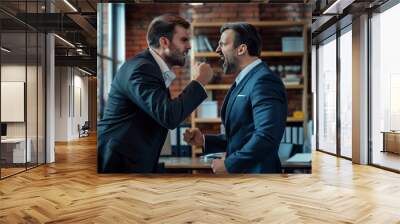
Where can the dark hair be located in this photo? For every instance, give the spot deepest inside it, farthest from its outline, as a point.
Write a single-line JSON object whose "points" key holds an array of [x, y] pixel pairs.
{"points": [[164, 26], [245, 34]]}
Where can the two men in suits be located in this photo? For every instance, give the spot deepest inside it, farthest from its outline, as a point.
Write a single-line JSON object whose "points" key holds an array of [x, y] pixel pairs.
{"points": [[254, 110], [139, 110]]}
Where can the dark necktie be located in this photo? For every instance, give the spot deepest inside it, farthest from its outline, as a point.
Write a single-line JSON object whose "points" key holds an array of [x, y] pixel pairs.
{"points": [[226, 100], [230, 91]]}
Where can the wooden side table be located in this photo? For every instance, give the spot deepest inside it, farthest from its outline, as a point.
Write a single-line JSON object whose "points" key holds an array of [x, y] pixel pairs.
{"points": [[391, 141]]}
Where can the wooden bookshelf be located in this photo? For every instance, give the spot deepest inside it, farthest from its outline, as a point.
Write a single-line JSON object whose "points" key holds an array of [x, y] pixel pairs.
{"points": [[254, 23], [218, 120], [207, 120], [294, 119], [294, 86], [217, 86], [288, 56], [227, 86], [210, 54]]}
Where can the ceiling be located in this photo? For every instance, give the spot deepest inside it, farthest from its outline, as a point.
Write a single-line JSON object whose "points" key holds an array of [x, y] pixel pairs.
{"points": [[72, 20], [76, 22]]}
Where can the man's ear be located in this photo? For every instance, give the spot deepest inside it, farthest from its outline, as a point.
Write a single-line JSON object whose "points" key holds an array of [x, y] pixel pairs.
{"points": [[164, 42], [242, 49]]}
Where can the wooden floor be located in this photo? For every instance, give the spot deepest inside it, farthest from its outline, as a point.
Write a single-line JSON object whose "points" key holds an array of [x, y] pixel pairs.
{"points": [[386, 159], [10, 171], [70, 191]]}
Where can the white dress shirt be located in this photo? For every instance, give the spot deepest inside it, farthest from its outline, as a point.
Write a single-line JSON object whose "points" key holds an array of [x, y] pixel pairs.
{"points": [[167, 74], [246, 70]]}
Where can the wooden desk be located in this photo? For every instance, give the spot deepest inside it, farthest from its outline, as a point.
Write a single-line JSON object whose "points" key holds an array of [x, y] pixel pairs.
{"points": [[186, 164], [300, 161], [391, 141]]}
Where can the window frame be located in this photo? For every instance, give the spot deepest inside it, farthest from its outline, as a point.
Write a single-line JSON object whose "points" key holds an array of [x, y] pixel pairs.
{"points": [[335, 31]]}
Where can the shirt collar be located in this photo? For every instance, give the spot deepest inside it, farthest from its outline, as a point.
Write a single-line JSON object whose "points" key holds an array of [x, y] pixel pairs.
{"points": [[246, 70], [168, 75]]}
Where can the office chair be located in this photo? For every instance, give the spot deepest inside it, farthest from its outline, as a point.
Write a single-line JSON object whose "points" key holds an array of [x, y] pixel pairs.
{"points": [[285, 151], [84, 130]]}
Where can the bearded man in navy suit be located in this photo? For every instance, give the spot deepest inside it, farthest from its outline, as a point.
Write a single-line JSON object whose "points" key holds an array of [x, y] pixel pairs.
{"points": [[254, 111]]}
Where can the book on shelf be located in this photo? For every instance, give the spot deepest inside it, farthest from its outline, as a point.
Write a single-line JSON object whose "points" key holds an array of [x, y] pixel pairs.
{"points": [[208, 109], [207, 42], [292, 44], [301, 135], [178, 146], [291, 83], [202, 44], [288, 135], [291, 79], [209, 95], [293, 135]]}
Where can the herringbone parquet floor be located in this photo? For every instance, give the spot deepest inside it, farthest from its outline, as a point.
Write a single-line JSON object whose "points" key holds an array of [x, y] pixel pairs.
{"points": [[70, 191]]}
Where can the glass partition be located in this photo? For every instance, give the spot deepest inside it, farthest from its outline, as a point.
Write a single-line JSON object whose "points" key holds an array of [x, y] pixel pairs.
{"points": [[327, 95], [346, 92], [385, 89], [22, 78], [14, 153]]}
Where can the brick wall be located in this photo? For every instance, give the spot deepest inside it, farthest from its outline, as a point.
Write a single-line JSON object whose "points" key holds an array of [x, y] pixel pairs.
{"points": [[138, 17], [225, 12]]}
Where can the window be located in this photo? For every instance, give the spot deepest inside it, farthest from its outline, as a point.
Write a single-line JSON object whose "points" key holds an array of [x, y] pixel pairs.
{"points": [[346, 92], [327, 95], [111, 47], [385, 84]]}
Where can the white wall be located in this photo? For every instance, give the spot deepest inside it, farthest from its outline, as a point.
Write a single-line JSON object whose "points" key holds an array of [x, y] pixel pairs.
{"points": [[50, 95], [71, 94], [61, 103], [15, 72], [81, 100]]}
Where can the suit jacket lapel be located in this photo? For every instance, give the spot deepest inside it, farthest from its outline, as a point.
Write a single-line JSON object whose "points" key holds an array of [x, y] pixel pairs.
{"points": [[236, 91], [146, 53]]}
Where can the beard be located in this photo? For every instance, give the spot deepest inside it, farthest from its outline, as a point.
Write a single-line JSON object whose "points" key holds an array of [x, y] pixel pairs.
{"points": [[230, 65], [175, 57]]}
